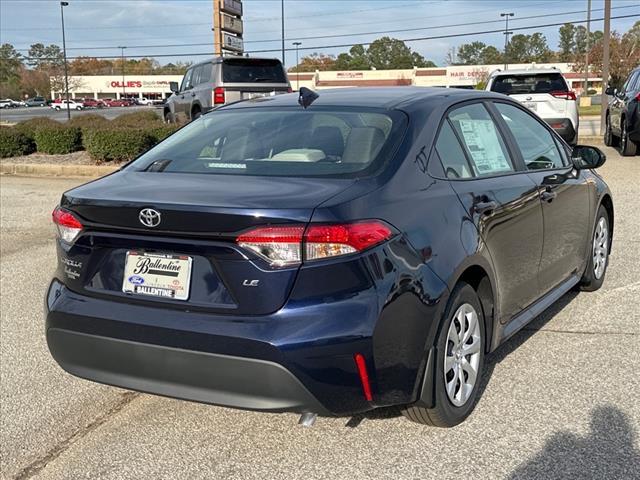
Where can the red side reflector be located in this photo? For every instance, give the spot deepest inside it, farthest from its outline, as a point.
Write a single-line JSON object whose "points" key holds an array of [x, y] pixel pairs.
{"points": [[218, 95], [364, 376]]}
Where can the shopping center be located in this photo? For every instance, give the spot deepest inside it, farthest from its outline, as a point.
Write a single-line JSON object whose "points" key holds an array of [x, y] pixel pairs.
{"points": [[466, 76]]}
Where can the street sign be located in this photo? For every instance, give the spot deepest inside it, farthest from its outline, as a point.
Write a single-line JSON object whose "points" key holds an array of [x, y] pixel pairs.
{"points": [[234, 7], [231, 24], [232, 43]]}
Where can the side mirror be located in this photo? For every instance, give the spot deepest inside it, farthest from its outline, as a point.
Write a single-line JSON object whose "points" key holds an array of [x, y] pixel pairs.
{"points": [[585, 156], [173, 86], [610, 91]]}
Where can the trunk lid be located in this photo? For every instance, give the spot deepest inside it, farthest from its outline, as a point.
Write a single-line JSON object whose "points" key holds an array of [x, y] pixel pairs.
{"points": [[544, 104], [200, 218]]}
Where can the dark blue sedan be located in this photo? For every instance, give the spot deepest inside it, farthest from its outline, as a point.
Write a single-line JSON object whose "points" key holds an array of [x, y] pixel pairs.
{"points": [[327, 253]]}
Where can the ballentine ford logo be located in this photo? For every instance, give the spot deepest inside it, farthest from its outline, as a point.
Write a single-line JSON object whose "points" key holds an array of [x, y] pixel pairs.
{"points": [[157, 266]]}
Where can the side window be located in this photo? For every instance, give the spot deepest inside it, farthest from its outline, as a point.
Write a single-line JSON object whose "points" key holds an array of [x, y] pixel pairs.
{"points": [[539, 149], [481, 140], [451, 154], [186, 81], [634, 82], [205, 73]]}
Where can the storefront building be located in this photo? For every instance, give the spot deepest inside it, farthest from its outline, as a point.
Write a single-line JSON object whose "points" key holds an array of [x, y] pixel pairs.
{"points": [[112, 86]]}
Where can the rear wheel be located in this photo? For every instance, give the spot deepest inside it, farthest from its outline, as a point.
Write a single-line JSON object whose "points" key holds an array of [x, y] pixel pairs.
{"points": [[459, 362], [168, 118], [195, 113], [628, 147], [593, 276]]}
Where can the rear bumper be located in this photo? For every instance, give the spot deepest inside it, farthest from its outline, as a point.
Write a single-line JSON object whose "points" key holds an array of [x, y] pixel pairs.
{"points": [[564, 127], [192, 375]]}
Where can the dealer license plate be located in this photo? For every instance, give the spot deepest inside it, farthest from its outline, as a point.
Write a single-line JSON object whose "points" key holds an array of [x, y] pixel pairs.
{"points": [[156, 275]]}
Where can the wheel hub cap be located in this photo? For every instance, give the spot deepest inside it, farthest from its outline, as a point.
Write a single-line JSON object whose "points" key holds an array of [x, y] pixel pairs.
{"points": [[462, 355], [600, 248]]}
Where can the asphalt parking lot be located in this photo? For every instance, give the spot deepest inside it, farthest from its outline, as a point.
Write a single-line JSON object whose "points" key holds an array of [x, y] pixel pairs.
{"points": [[15, 115], [560, 398]]}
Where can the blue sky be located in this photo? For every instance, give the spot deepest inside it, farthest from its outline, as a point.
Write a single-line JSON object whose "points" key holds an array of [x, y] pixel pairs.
{"points": [[151, 27]]}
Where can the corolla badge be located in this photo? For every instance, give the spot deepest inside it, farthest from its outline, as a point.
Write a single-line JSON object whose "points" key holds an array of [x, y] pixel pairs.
{"points": [[136, 280], [149, 217]]}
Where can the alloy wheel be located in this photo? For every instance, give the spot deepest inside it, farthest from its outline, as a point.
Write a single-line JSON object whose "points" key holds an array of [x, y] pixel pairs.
{"points": [[600, 248], [462, 355]]}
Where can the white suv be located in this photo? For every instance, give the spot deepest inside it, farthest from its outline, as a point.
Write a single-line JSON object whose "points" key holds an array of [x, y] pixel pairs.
{"points": [[544, 91]]}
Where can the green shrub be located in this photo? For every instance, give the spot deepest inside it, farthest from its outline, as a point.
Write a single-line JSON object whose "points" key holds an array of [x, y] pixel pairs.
{"points": [[117, 143], [14, 143], [88, 122], [29, 127], [160, 132], [58, 139], [138, 119]]}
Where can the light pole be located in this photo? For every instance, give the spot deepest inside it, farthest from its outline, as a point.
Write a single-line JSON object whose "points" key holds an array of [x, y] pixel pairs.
{"points": [[606, 39], [122, 60], [297, 44], [506, 34], [64, 53], [282, 13], [586, 51]]}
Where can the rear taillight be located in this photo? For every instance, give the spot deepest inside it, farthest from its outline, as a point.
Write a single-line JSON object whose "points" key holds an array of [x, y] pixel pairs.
{"points": [[638, 97], [290, 245], [568, 95], [218, 95], [67, 225]]}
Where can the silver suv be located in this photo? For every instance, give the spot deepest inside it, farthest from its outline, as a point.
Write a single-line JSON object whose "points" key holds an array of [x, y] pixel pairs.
{"points": [[223, 80]]}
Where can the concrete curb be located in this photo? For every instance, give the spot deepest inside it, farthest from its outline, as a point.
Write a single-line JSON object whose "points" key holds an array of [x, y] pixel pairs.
{"points": [[590, 140], [52, 170]]}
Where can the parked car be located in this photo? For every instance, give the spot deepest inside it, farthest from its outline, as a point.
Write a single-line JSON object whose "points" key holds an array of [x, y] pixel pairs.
{"points": [[62, 105], [92, 103], [144, 101], [545, 92], [365, 251], [622, 127], [121, 102], [222, 80], [8, 103], [36, 102]]}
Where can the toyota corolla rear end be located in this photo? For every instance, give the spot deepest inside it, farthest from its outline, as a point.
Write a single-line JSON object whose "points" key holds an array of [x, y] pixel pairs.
{"points": [[198, 271]]}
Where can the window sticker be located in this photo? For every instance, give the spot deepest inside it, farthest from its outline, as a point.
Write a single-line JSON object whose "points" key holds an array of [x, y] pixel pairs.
{"points": [[483, 144]]}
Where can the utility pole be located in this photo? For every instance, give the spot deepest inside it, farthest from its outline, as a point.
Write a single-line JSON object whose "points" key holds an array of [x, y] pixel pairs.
{"points": [[282, 14], [605, 62], [64, 52], [506, 34], [297, 44], [586, 53], [122, 60]]}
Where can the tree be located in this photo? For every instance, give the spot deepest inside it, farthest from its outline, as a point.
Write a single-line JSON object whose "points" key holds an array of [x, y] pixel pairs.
{"points": [[10, 70], [491, 55], [384, 53], [90, 66], [567, 43], [624, 56], [356, 59], [471, 53], [528, 48], [315, 61], [45, 58]]}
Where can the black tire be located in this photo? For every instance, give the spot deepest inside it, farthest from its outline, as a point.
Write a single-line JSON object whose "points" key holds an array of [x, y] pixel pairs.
{"points": [[609, 139], [445, 413], [590, 281], [628, 147], [168, 118], [196, 114]]}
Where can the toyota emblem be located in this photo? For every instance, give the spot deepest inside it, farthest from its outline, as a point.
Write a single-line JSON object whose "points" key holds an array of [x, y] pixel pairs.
{"points": [[149, 217]]}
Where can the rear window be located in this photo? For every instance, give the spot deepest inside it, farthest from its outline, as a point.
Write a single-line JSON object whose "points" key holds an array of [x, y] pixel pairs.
{"points": [[534, 83], [253, 71], [280, 142]]}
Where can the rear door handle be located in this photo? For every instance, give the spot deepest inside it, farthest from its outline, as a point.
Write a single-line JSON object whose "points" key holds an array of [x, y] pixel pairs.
{"points": [[485, 207], [548, 196]]}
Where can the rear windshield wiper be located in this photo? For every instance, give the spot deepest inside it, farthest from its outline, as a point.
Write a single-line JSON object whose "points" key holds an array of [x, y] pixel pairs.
{"points": [[265, 79]]}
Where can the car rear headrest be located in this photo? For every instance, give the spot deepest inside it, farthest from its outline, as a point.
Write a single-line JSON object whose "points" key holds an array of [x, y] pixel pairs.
{"points": [[363, 144]]}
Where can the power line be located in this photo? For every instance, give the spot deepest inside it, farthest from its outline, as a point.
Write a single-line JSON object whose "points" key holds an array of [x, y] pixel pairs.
{"points": [[323, 47], [433, 27]]}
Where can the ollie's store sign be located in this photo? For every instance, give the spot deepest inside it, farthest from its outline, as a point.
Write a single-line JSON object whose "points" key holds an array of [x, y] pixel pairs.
{"points": [[129, 84]]}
